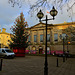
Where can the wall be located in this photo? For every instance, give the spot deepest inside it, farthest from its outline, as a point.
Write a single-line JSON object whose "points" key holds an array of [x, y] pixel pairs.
{"points": [[71, 48]]}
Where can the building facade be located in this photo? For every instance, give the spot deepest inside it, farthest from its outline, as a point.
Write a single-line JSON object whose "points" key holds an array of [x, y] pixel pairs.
{"points": [[37, 36], [4, 38]]}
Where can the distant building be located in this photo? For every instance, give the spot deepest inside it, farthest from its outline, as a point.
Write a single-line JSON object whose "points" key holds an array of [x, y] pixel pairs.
{"points": [[37, 36], [4, 38]]}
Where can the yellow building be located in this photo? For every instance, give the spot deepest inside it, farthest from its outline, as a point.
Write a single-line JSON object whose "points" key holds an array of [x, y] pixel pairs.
{"points": [[4, 38], [38, 36]]}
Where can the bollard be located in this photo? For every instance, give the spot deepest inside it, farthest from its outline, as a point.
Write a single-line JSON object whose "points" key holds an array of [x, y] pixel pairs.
{"points": [[57, 62], [66, 57], [1, 65], [63, 58]]}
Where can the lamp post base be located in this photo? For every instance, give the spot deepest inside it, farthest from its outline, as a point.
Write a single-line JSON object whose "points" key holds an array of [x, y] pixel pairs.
{"points": [[63, 58], [45, 70]]}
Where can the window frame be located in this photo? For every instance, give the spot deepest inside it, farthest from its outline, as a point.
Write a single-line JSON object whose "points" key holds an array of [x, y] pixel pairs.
{"points": [[35, 38], [41, 37], [48, 38], [56, 40]]}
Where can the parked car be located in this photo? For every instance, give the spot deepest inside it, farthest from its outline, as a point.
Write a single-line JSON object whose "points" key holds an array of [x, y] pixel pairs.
{"points": [[5, 52]]}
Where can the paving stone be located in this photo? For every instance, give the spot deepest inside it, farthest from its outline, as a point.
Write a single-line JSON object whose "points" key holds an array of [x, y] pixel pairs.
{"points": [[34, 65]]}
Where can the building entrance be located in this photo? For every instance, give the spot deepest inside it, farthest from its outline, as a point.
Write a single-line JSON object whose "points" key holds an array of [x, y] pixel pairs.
{"points": [[40, 50]]}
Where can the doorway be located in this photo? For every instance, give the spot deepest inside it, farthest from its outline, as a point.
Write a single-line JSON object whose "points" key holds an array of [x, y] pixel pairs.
{"points": [[40, 50]]}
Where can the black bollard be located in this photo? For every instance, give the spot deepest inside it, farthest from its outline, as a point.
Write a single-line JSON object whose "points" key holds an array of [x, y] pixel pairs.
{"points": [[1, 65], [63, 58], [66, 57], [57, 62]]}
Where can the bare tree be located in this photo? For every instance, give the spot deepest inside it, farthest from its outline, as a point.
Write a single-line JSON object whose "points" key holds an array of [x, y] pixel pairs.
{"points": [[16, 2], [45, 3], [71, 31], [59, 4]]}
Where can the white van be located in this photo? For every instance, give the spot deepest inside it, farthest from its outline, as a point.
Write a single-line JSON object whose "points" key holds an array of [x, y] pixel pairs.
{"points": [[5, 52]]}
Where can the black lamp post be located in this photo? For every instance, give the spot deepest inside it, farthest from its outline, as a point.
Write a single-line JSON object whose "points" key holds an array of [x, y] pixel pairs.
{"points": [[67, 50], [67, 46], [40, 15], [63, 38]]}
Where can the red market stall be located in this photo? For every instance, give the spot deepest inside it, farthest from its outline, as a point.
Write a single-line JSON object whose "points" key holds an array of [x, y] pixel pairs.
{"points": [[19, 52]]}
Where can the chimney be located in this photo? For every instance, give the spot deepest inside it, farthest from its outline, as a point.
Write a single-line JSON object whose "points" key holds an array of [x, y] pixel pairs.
{"points": [[3, 30]]}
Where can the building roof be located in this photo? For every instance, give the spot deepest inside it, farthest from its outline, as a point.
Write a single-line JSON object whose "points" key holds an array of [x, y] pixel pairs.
{"points": [[4, 31], [59, 26]]}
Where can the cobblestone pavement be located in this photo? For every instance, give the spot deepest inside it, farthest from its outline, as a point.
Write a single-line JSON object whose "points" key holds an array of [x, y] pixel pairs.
{"points": [[34, 65]]}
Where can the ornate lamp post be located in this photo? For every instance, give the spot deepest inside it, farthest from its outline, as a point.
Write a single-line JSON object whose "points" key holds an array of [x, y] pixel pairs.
{"points": [[40, 15], [63, 38], [67, 46]]}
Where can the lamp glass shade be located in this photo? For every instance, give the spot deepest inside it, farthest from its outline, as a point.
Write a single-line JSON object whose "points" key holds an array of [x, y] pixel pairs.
{"points": [[68, 42], [40, 14], [53, 12]]}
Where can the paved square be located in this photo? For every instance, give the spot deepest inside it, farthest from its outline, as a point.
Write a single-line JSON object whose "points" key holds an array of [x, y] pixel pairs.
{"points": [[34, 65]]}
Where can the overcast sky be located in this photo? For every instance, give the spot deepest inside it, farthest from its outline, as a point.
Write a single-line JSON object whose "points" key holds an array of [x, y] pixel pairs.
{"points": [[8, 14]]}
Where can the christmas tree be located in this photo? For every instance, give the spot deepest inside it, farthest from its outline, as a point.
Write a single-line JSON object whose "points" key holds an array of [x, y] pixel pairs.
{"points": [[20, 33]]}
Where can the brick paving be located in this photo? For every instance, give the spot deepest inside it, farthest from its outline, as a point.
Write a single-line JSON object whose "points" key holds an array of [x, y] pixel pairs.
{"points": [[34, 65]]}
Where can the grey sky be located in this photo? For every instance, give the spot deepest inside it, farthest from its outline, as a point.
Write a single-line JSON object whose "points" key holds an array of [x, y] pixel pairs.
{"points": [[8, 14]]}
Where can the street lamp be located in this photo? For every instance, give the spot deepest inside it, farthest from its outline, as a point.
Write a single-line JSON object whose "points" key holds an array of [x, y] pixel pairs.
{"points": [[63, 38], [67, 47], [40, 15], [67, 53]]}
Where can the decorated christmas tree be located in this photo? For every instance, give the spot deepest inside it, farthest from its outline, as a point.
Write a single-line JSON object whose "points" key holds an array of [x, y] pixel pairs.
{"points": [[20, 33]]}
